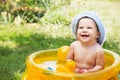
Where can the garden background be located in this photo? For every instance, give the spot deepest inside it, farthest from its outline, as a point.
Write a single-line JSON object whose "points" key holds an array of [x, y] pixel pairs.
{"points": [[27, 26]]}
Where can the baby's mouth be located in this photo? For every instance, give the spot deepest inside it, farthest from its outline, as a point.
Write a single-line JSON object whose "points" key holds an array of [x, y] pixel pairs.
{"points": [[84, 35]]}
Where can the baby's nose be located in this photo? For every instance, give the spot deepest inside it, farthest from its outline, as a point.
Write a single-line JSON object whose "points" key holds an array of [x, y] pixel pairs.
{"points": [[84, 30]]}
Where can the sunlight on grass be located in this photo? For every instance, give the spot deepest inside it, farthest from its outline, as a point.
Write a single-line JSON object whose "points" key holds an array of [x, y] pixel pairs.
{"points": [[10, 44], [56, 30], [18, 75]]}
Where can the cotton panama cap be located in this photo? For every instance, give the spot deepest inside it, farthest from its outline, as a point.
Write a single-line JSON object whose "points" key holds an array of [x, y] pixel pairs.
{"points": [[93, 16]]}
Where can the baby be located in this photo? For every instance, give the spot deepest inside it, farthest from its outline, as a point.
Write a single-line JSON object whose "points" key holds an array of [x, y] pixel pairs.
{"points": [[86, 51]]}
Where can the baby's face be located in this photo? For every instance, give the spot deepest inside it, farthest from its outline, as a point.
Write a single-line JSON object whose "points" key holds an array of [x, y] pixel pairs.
{"points": [[87, 30]]}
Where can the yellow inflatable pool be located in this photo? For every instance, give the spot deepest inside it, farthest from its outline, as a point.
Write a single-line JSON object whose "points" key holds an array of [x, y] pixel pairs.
{"points": [[41, 66]]}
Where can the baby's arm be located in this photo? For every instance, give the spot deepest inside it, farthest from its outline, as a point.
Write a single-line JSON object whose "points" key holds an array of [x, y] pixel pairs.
{"points": [[99, 62], [70, 55]]}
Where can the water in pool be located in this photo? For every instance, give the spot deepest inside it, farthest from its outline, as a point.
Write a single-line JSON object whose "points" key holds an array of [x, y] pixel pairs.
{"points": [[49, 65]]}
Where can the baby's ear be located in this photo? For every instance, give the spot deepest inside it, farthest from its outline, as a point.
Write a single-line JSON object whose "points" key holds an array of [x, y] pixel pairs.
{"points": [[98, 35]]}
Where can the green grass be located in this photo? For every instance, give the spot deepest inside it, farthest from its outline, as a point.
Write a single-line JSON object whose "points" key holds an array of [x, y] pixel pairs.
{"points": [[19, 41]]}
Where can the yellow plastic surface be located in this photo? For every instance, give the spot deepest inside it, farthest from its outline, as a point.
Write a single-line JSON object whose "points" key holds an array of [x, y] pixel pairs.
{"points": [[35, 72]]}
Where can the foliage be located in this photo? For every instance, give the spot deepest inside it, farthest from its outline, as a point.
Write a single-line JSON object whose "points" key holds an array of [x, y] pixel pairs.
{"points": [[62, 14], [53, 15], [28, 14], [28, 10], [6, 17]]}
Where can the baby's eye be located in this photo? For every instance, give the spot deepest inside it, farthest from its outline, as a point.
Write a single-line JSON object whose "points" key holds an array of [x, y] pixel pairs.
{"points": [[89, 27], [80, 27]]}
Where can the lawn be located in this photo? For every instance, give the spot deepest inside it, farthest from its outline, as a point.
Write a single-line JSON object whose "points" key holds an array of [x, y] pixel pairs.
{"points": [[53, 30]]}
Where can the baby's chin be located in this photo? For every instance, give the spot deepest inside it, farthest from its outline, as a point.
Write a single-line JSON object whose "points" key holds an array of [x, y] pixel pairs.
{"points": [[85, 39]]}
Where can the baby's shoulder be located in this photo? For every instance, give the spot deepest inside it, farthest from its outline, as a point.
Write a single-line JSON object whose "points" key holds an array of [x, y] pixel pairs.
{"points": [[99, 49], [74, 43]]}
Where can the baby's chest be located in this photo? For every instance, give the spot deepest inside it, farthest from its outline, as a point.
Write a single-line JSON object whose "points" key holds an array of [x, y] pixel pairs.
{"points": [[85, 56]]}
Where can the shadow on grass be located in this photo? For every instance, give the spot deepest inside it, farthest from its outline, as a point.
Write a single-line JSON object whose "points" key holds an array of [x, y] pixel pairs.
{"points": [[5, 50], [37, 42], [13, 60]]}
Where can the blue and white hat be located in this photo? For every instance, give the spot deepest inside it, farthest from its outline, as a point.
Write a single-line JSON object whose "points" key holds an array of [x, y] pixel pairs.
{"points": [[93, 16]]}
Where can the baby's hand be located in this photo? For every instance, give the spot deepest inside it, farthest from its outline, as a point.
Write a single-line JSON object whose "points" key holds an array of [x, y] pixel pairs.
{"points": [[84, 71], [81, 70]]}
